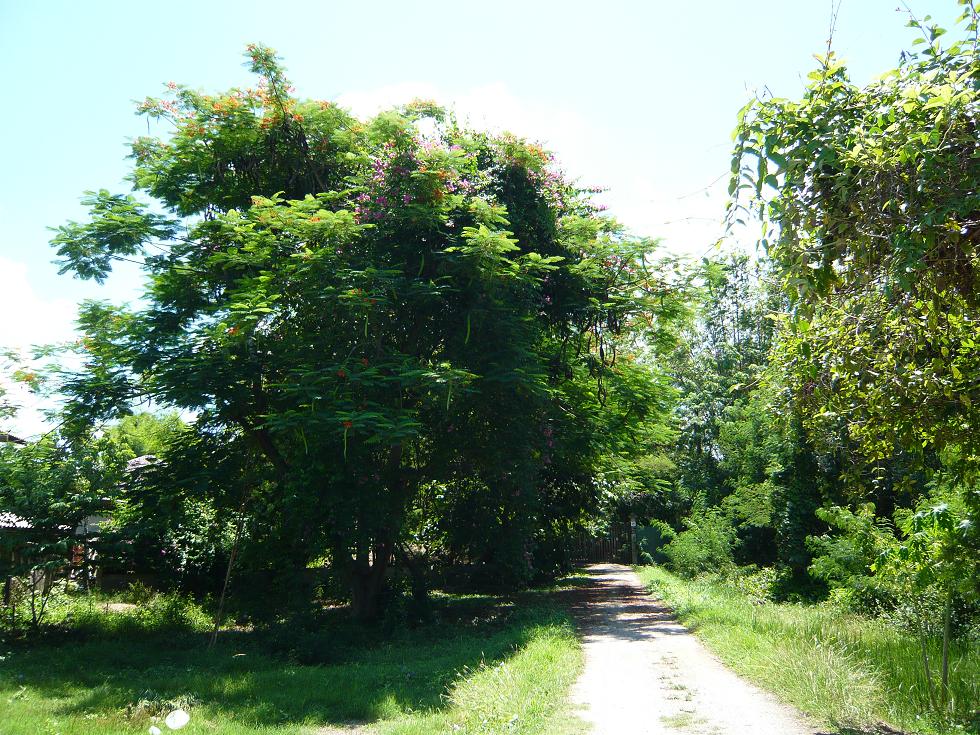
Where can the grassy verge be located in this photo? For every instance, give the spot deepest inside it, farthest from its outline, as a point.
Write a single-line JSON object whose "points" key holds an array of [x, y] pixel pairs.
{"points": [[490, 666], [844, 669]]}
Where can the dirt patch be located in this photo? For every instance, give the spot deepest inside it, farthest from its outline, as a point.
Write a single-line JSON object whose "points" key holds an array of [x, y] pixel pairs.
{"points": [[120, 607], [342, 728]]}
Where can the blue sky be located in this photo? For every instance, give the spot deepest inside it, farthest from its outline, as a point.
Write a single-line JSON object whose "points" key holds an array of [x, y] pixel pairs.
{"points": [[636, 96]]}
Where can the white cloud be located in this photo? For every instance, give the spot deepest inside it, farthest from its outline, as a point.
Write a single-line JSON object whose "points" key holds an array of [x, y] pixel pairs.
{"points": [[28, 319], [494, 107], [689, 224], [368, 103]]}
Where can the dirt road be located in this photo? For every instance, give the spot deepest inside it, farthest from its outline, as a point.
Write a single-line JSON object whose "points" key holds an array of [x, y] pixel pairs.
{"points": [[645, 674]]}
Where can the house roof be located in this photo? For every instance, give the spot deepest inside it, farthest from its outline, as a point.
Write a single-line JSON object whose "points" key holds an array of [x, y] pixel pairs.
{"points": [[9, 520], [5, 437], [139, 463]]}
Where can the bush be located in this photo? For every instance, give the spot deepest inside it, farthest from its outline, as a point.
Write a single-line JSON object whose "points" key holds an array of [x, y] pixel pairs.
{"points": [[704, 547], [172, 612], [651, 540], [138, 593], [756, 584]]}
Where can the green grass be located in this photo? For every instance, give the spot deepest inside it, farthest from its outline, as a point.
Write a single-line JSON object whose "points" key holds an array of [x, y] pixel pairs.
{"points": [[844, 669], [491, 665]]}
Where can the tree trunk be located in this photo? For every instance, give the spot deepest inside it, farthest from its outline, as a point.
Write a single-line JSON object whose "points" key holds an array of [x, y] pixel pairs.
{"points": [[417, 581], [947, 633], [923, 641], [367, 584], [231, 563]]}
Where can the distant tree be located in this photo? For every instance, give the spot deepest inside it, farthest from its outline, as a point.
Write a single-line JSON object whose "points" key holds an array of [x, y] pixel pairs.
{"points": [[50, 486], [720, 358], [12, 372], [146, 433]]}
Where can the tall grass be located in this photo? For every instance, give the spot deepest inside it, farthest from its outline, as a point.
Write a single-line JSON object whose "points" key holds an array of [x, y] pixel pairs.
{"points": [[525, 693], [847, 670]]}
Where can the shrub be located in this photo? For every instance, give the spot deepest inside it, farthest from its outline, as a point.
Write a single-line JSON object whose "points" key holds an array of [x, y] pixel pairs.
{"points": [[652, 539], [705, 546], [756, 584], [138, 593], [172, 612]]}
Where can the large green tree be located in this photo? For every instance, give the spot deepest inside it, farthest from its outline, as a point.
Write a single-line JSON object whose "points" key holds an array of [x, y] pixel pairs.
{"points": [[353, 311]]}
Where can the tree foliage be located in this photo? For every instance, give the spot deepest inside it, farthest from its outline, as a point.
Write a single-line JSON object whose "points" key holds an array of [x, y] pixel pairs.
{"points": [[357, 310], [869, 196]]}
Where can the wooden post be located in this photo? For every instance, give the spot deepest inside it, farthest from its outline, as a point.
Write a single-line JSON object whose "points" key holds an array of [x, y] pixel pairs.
{"points": [[633, 544], [231, 562]]}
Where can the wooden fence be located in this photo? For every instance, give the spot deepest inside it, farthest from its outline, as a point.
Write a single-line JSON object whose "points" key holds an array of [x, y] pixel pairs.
{"points": [[613, 547]]}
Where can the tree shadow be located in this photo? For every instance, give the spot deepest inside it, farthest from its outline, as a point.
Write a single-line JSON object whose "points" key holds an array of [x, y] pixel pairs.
{"points": [[880, 729], [404, 670], [605, 607]]}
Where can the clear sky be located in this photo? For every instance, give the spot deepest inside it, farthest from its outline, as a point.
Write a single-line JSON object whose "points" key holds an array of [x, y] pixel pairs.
{"points": [[637, 96]]}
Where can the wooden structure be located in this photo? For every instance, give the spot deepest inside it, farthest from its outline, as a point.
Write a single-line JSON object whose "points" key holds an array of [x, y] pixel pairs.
{"points": [[612, 547]]}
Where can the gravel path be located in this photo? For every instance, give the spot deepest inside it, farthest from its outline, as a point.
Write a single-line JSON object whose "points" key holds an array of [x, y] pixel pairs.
{"points": [[646, 674]]}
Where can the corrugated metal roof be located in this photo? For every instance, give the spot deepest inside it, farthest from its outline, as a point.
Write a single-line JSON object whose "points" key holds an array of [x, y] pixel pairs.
{"points": [[9, 520], [138, 463]]}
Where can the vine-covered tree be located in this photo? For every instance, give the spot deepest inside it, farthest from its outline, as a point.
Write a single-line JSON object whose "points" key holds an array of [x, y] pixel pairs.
{"points": [[871, 201]]}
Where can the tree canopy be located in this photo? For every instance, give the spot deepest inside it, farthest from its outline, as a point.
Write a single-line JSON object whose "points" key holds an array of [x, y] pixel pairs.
{"points": [[356, 310], [869, 196]]}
